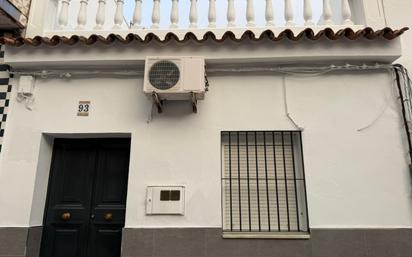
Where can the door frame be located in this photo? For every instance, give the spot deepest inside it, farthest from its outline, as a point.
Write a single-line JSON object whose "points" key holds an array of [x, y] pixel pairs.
{"points": [[42, 180]]}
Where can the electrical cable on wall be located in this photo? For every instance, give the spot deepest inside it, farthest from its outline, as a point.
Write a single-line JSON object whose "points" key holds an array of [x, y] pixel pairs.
{"points": [[301, 71], [285, 101], [381, 113], [404, 86], [374, 120], [403, 82]]}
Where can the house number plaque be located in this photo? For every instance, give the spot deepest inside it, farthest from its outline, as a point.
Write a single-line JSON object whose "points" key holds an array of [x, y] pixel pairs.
{"points": [[84, 108]]}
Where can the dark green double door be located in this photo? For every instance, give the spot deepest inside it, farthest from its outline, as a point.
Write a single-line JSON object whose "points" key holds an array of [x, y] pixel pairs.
{"points": [[86, 203]]}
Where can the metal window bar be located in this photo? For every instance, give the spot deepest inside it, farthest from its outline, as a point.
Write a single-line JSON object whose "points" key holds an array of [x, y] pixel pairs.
{"points": [[257, 183], [238, 181], [304, 182], [276, 179], [286, 180], [264, 171], [294, 180], [267, 182], [248, 181], [230, 181]]}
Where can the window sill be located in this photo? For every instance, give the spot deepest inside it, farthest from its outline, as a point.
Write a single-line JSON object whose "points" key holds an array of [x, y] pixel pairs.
{"points": [[267, 235]]}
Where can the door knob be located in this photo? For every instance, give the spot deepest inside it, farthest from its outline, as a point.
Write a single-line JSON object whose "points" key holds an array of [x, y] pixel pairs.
{"points": [[108, 216], [66, 216]]}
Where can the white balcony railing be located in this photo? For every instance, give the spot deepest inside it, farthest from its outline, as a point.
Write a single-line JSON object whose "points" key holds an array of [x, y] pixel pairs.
{"points": [[85, 17]]}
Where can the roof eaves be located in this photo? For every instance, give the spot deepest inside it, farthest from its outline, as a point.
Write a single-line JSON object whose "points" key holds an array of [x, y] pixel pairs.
{"points": [[329, 33]]}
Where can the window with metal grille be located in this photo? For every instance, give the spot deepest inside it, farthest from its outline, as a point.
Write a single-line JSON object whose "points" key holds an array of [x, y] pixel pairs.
{"points": [[263, 184]]}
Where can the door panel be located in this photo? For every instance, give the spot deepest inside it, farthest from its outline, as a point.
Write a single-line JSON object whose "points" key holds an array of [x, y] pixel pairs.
{"points": [[112, 175], [69, 193], [86, 198], [106, 240], [109, 202], [64, 241], [111, 183]]}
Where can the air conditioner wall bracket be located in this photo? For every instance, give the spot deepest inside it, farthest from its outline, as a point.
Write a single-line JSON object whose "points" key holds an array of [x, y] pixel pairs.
{"points": [[194, 102], [158, 102]]}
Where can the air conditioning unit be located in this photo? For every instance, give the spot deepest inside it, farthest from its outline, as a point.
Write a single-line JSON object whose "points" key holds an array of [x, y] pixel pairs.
{"points": [[175, 78]]}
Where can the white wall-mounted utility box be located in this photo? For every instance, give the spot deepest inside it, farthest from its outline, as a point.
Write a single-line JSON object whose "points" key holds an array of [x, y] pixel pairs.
{"points": [[26, 85], [165, 200]]}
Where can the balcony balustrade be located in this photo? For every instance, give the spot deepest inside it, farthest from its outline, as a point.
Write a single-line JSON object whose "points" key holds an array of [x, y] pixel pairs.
{"points": [[103, 17]]}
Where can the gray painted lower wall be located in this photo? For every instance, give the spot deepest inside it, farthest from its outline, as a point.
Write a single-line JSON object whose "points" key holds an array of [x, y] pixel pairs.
{"points": [[13, 242], [20, 242], [208, 242], [34, 241]]}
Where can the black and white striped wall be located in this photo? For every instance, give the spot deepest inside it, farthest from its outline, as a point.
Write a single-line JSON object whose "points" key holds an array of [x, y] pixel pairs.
{"points": [[5, 91]]}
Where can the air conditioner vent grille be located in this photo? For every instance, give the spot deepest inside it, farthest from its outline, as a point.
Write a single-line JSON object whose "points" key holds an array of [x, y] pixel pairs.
{"points": [[164, 75]]}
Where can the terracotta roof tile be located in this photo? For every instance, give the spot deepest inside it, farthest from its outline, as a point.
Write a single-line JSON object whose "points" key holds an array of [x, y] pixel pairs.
{"points": [[308, 33]]}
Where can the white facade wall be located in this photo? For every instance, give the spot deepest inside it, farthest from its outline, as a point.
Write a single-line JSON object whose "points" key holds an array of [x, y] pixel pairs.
{"points": [[354, 179], [398, 15]]}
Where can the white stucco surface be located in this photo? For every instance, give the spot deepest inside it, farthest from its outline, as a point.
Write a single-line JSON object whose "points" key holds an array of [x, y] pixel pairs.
{"points": [[354, 179], [398, 15]]}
